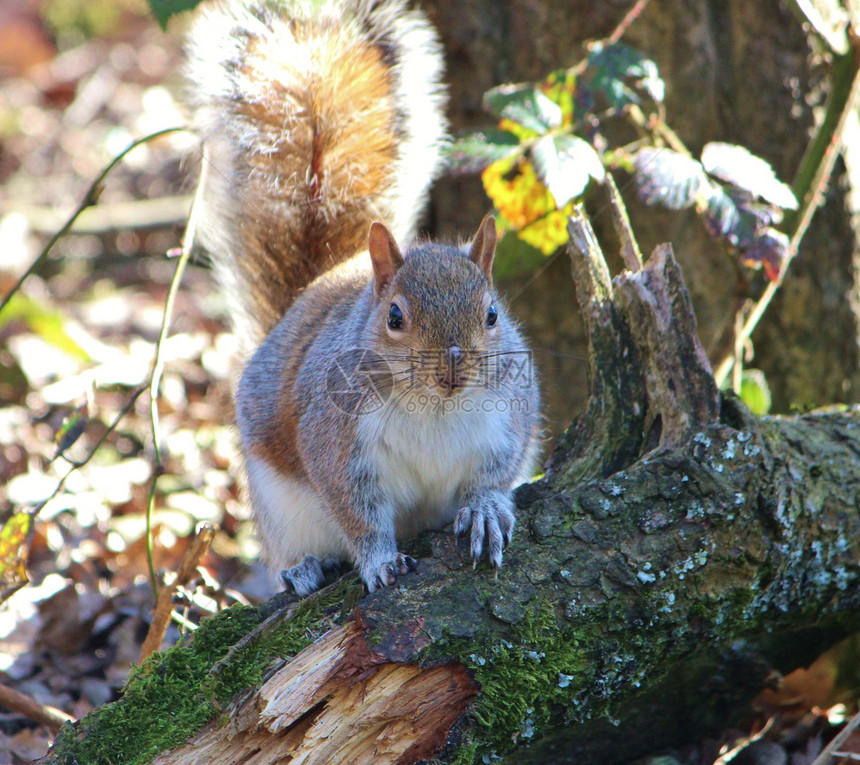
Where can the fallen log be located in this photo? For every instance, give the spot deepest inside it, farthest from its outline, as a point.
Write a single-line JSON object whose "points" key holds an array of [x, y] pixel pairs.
{"points": [[678, 554]]}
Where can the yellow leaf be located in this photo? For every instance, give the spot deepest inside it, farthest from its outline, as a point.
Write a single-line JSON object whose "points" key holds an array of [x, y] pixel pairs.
{"points": [[550, 232], [516, 191], [15, 537], [560, 87], [523, 133]]}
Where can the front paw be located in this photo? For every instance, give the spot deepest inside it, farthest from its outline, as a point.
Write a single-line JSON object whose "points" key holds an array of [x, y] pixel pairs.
{"points": [[306, 577], [490, 516], [383, 573]]}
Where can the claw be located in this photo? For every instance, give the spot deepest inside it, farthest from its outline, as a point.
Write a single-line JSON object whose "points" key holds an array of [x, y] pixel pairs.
{"points": [[491, 519], [464, 521], [384, 574]]}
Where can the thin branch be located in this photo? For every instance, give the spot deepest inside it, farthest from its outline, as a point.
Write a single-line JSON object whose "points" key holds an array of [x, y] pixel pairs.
{"points": [[90, 198], [630, 252], [78, 465], [51, 717], [736, 750], [158, 362], [628, 19], [132, 214], [826, 756], [164, 606], [827, 145], [614, 36]]}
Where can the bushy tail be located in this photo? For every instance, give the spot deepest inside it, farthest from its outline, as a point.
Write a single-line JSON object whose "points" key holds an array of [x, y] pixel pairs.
{"points": [[317, 118]]}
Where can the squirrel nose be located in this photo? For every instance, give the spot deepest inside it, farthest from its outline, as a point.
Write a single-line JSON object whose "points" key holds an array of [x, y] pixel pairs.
{"points": [[449, 374]]}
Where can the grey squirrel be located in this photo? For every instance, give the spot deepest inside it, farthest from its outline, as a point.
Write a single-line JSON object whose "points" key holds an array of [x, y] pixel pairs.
{"points": [[383, 393]]}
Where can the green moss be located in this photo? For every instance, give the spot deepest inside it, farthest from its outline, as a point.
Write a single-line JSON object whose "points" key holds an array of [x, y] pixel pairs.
{"points": [[466, 754], [526, 683], [172, 695], [161, 703]]}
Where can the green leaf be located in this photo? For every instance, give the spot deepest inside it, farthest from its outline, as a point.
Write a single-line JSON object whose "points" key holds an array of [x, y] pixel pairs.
{"points": [[565, 164], [619, 71], [47, 323], [472, 152], [667, 178], [726, 219], [515, 258], [755, 392], [525, 105], [736, 165], [164, 9], [72, 428]]}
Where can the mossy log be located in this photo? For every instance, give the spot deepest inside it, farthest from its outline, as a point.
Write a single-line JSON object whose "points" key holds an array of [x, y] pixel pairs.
{"points": [[678, 554]]}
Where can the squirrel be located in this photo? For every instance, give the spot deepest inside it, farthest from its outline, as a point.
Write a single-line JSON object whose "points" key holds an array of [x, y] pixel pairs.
{"points": [[384, 391]]}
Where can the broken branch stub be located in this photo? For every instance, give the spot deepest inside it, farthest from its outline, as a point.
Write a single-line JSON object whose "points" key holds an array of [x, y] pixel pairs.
{"points": [[607, 436], [682, 396], [651, 385]]}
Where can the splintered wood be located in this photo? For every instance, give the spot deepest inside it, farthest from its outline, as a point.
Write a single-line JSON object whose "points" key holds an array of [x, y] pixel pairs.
{"points": [[336, 702]]}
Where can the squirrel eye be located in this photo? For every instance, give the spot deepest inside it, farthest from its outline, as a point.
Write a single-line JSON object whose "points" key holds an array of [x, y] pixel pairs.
{"points": [[492, 316], [395, 317]]}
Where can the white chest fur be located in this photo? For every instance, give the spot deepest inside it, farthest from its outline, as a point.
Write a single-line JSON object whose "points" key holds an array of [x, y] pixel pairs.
{"points": [[426, 457]]}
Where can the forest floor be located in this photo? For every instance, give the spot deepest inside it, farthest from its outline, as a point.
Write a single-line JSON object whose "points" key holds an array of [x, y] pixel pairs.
{"points": [[79, 80]]}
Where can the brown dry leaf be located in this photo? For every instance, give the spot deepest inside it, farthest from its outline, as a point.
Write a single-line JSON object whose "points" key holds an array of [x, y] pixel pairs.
{"points": [[803, 689], [26, 745], [68, 618], [23, 46]]}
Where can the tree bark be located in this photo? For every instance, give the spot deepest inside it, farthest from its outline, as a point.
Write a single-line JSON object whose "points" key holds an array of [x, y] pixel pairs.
{"points": [[677, 555]]}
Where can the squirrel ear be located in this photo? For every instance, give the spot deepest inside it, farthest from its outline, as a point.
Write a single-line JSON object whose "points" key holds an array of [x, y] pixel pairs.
{"points": [[484, 247], [385, 255]]}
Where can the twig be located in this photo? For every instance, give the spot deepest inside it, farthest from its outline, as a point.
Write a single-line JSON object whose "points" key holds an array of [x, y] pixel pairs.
{"points": [[630, 252], [735, 751], [49, 716], [827, 753], [158, 362], [78, 465], [90, 198], [281, 614], [738, 367], [614, 36], [827, 145], [263, 628], [163, 607], [134, 214], [628, 19]]}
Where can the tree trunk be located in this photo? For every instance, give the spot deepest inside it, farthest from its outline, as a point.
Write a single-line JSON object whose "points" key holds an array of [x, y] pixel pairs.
{"points": [[653, 583], [740, 71]]}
